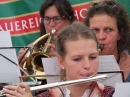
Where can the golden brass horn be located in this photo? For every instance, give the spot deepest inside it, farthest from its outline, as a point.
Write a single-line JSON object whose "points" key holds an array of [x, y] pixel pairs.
{"points": [[33, 61]]}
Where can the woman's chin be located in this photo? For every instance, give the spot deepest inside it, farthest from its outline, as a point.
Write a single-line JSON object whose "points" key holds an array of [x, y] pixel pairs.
{"points": [[86, 84], [103, 53]]}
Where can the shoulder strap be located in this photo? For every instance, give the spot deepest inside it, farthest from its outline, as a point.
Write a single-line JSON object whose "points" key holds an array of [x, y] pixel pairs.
{"points": [[96, 90], [56, 92]]}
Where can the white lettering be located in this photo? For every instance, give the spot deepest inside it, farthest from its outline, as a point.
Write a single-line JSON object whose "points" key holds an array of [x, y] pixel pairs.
{"points": [[82, 12], [24, 24], [1, 29], [37, 23], [76, 14], [31, 23], [17, 25], [20, 25], [7, 28], [40, 20]]}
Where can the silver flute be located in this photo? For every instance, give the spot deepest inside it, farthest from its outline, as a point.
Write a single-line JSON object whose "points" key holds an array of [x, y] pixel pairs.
{"points": [[67, 83]]}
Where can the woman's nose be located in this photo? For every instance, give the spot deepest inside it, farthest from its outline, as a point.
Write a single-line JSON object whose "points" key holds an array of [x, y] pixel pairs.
{"points": [[52, 22], [87, 64], [101, 35]]}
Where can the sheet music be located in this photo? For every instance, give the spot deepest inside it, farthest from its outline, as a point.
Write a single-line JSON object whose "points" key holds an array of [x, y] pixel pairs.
{"points": [[51, 67], [106, 63], [122, 90], [9, 72]]}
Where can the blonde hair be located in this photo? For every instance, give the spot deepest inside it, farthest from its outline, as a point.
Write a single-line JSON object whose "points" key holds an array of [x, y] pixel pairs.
{"points": [[72, 32]]}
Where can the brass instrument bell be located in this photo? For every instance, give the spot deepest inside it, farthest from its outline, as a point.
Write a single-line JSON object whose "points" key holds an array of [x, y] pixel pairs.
{"points": [[34, 58]]}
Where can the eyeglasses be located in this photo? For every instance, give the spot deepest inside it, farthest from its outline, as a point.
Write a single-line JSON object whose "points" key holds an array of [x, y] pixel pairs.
{"points": [[110, 4], [56, 19]]}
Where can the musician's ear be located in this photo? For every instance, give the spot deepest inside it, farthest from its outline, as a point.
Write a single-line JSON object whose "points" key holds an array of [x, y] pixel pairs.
{"points": [[119, 37], [61, 62]]}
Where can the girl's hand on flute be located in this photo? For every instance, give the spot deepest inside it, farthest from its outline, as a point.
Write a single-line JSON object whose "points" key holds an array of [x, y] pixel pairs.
{"points": [[21, 90]]}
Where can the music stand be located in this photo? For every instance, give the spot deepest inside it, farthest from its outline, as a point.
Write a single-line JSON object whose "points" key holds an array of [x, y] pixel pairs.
{"points": [[121, 71], [113, 77], [27, 75], [27, 49]]}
